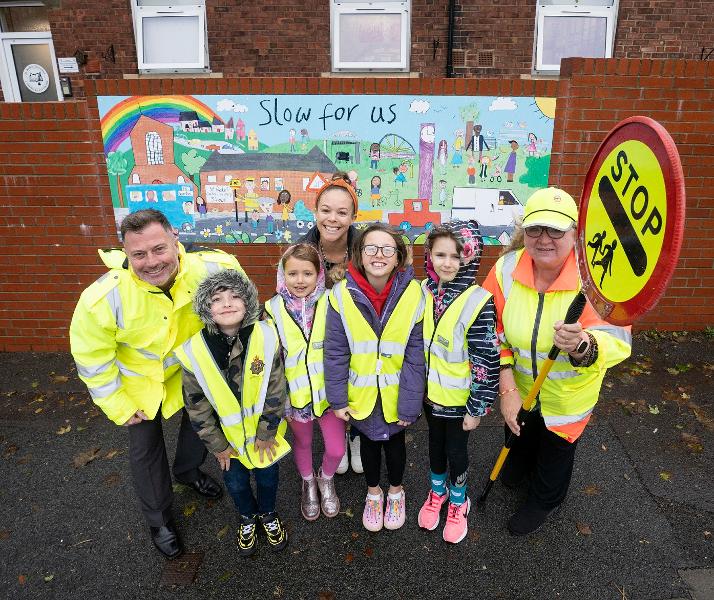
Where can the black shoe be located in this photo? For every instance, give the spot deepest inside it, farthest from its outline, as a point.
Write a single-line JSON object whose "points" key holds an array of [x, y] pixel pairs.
{"points": [[274, 530], [166, 540], [247, 536], [205, 485], [528, 519]]}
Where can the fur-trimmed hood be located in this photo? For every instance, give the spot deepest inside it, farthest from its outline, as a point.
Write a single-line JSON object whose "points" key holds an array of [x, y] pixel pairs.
{"points": [[226, 279]]}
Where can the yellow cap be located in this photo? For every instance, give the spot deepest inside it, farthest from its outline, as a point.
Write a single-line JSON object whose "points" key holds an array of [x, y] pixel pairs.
{"points": [[551, 207]]}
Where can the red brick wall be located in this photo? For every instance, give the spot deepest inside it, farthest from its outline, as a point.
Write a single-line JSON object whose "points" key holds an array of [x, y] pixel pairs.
{"points": [[279, 38], [57, 206]]}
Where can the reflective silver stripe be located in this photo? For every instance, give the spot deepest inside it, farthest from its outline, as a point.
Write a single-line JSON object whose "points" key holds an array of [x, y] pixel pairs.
{"points": [[566, 419], [269, 343], [541, 355], [90, 372], [102, 391], [295, 359], [617, 332], [562, 374], [389, 379], [298, 383], [449, 382], [114, 299], [453, 357], [521, 369], [390, 348], [211, 267], [316, 368], [275, 306], [362, 380], [337, 293], [170, 360], [233, 419], [199, 375], [127, 372], [144, 353], [368, 347], [250, 440], [507, 268]]}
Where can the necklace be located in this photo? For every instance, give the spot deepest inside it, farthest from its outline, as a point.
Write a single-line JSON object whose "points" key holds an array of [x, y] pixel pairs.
{"points": [[324, 258]]}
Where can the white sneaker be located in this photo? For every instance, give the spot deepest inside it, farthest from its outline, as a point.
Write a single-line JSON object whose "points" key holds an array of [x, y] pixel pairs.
{"points": [[355, 457], [345, 462]]}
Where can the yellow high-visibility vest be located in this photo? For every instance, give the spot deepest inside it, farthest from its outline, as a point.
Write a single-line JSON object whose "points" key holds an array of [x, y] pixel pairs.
{"points": [[124, 332], [376, 362], [568, 394], [303, 360], [239, 420], [445, 345]]}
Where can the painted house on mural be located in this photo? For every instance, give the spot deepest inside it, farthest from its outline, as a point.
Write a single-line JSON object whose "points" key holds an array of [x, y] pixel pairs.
{"points": [[156, 181], [259, 176]]}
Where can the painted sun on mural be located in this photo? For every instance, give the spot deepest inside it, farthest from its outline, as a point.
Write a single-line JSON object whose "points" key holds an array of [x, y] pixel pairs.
{"points": [[247, 169]]}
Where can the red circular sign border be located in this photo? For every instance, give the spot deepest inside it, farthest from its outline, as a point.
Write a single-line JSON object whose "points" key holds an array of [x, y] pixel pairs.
{"points": [[661, 144]]}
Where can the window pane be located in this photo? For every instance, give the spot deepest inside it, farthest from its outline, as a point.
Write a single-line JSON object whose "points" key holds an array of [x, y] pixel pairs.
{"points": [[370, 38], [573, 36], [170, 40]]}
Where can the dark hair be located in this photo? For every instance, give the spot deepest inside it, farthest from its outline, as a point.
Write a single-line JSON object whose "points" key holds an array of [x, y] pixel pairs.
{"points": [[281, 193], [139, 220], [306, 252], [402, 252], [442, 232], [337, 182]]}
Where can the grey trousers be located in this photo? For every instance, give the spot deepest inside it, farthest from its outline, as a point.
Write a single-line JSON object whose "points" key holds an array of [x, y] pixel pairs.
{"points": [[150, 465]]}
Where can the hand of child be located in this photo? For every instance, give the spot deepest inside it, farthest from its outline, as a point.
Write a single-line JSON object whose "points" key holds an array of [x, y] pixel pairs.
{"points": [[224, 459], [470, 423], [343, 413], [403, 423], [266, 447]]}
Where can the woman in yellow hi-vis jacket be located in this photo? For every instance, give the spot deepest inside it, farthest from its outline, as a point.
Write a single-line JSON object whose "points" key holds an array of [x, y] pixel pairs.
{"points": [[234, 392], [533, 284]]}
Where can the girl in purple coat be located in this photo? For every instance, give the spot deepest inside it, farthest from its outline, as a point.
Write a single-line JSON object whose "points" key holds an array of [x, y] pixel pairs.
{"points": [[373, 321]]}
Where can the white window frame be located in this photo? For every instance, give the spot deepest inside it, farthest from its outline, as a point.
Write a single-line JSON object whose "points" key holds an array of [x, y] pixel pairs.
{"points": [[558, 8], [343, 7], [167, 9], [8, 77]]}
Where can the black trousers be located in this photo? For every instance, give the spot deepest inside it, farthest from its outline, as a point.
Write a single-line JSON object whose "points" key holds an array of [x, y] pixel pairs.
{"points": [[448, 445], [549, 459], [395, 455], [150, 466]]}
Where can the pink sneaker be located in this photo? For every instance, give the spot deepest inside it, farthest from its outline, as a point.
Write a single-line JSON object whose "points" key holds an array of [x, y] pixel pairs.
{"points": [[456, 526], [429, 512], [394, 512], [372, 517]]}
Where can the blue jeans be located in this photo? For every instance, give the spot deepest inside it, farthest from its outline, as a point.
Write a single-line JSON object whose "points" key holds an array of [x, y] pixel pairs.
{"points": [[237, 481]]}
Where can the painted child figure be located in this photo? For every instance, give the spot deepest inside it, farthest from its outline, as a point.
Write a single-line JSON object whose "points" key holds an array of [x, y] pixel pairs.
{"points": [[234, 392], [374, 362], [462, 367], [299, 311]]}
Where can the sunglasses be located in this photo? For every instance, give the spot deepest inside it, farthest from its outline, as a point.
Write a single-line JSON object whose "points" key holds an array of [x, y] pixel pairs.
{"points": [[536, 231], [371, 250]]}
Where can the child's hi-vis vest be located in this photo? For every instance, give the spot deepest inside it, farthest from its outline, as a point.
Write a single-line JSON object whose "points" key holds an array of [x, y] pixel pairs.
{"points": [[303, 363], [376, 362], [445, 346], [239, 420]]}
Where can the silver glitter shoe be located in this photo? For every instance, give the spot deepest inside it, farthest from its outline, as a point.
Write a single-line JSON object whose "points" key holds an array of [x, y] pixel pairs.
{"points": [[310, 501], [330, 502]]}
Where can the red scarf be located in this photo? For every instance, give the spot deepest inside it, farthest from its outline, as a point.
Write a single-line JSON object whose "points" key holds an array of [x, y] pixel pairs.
{"points": [[376, 298]]}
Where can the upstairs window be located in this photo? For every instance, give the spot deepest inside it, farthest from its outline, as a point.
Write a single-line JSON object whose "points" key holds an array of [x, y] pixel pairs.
{"points": [[370, 36], [170, 36], [566, 29], [154, 149]]}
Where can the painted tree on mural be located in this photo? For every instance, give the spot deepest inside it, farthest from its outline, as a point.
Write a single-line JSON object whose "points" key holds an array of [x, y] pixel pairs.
{"points": [[193, 162], [536, 175], [117, 166]]}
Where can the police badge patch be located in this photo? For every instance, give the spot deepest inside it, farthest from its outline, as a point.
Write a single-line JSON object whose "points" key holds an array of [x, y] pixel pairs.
{"points": [[257, 366]]}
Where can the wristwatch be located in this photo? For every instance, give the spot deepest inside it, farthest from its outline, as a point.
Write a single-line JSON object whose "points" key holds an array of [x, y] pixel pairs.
{"points": [[582, 347]]}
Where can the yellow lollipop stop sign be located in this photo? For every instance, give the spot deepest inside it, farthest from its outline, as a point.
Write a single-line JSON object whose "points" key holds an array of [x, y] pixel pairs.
{"points": [[631, 220]]}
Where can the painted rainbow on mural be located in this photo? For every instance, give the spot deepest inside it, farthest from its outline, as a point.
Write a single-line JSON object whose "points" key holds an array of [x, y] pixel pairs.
{"points": [[120, 120]]}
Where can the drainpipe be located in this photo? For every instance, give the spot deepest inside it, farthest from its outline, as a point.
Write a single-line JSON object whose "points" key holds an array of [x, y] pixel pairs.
{"points": [[450, 46]]}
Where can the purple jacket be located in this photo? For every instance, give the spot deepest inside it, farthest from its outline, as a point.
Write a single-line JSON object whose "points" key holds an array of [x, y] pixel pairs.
{"points": [[412, 379]]}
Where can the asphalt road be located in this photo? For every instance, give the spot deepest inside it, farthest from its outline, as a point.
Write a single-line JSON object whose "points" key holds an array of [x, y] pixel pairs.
{"points": [[638, 522]]}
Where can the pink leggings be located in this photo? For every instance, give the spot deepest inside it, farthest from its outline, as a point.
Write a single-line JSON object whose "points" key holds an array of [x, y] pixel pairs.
{"points": [[333, 433]]}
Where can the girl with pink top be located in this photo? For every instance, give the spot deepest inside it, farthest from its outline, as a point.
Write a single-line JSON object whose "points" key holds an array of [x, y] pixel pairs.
{"points": [[299, 311]]}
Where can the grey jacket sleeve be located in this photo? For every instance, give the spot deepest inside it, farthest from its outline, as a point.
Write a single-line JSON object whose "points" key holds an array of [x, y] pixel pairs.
{"points": [[412, 379], [203, 418], [336, 360]]}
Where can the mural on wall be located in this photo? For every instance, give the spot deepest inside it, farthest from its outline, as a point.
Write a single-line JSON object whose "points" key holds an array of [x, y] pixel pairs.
{"points": [[247, 169]]}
